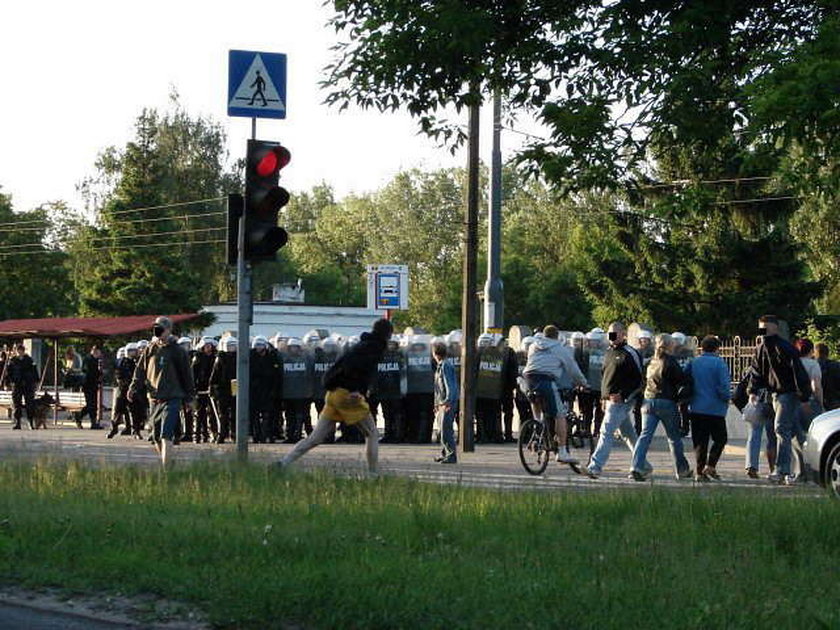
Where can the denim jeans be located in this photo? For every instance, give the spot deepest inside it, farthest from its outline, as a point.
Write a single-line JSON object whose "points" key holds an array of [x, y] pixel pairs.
{"points": [[785, 405], [447, 433], [616, 417], [754, 441], [654, 411], [165, 417]]}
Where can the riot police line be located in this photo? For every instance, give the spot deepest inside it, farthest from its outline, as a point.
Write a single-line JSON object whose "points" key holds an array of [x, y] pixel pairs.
{"points": [[286, 384]]}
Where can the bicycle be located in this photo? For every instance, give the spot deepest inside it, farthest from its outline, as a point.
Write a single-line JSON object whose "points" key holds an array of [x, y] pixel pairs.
{"points": [[578, 435], [536, 437]]}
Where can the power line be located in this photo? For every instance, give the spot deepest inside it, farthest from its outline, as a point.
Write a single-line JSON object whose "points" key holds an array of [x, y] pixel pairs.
{"points": [[121, 212], [168, 205], [124, 248], [124, 237], [182, 217]]}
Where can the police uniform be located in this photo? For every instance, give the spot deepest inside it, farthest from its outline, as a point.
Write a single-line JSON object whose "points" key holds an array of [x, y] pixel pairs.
{"points": [[223, 372], [418, 402], [488, 392], [298, 374], [386, 392]]}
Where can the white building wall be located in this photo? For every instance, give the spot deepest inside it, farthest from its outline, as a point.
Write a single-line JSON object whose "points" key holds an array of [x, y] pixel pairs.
{"points": [[293, 320]]}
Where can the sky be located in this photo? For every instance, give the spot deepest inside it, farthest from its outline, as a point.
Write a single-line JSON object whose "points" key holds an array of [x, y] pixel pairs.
{"points": [[76, 75]]}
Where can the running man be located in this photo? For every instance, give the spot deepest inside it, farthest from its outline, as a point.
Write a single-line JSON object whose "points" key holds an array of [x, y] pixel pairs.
{"points": [[345, 382]]}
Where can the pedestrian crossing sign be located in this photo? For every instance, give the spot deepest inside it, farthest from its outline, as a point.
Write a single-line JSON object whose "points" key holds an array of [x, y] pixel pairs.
{"points": [[256, 84]]}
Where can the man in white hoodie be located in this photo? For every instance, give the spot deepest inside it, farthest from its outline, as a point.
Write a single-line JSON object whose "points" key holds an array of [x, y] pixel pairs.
{"points": [[552, 365]]}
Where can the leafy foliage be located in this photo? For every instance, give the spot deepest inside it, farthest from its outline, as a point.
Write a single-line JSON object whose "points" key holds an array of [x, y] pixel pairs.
{"points": [[147, 252], [33, 279]]}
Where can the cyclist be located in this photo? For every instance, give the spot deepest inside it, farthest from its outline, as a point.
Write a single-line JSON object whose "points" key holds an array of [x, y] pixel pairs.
{"points": [[551, 363]]}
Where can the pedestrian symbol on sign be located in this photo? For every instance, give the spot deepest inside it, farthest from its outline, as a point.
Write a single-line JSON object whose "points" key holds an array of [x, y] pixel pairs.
{"points": [[259, 83]]}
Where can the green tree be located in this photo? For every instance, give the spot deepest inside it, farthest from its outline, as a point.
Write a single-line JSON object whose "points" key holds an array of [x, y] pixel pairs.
{"points": [[797, 107], [149, 250], [33, 277], [539, 276]]}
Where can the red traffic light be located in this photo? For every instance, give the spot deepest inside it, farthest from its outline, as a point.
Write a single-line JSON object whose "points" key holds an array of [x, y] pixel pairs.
{"points": [[272, 161], [267, 164]]}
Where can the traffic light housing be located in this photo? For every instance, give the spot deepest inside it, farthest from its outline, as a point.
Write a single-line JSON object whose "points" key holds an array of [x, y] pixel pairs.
{"points": [[264, 199]]}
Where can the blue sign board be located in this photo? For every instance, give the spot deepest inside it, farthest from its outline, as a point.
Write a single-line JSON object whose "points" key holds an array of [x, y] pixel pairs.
{"points": [[256, 84], [388, 290]]}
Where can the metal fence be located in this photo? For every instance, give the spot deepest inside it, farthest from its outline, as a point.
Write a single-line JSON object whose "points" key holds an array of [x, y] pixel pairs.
{"points": [[738, 354]]}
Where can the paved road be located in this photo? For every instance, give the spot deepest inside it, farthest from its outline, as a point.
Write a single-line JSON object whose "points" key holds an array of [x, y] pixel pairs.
{"points": [[16, 616], [495, 466]]}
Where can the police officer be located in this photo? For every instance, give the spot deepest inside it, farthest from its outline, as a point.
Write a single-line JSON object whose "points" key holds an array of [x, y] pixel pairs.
{"points": [[124, 371], [684, 350], [387, 392], [590, 399], [23, 375], [523, 405], [221, 389], [185, 430], [510, 372], [297, 388], [92, 368], [419, 398], [139, 405], [488, 390], [206, 422], [266, 380], [311, 344]]}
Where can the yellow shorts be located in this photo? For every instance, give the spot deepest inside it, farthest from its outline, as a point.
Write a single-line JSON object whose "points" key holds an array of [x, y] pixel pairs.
{"points": [[339, 406]]}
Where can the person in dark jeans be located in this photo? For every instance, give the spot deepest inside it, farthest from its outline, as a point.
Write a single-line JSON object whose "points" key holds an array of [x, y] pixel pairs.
{"points": [[776, 366], [707, 409]]}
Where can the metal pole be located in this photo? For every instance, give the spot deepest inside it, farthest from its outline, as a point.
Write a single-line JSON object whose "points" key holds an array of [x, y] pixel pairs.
{"points": [[55, 384], [469, 307], [245, 311], [494, 305], [243, 353]]}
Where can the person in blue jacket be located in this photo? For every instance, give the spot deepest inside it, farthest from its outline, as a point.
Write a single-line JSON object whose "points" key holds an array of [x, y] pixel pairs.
{"points": [[708, 407], [446, 403]]}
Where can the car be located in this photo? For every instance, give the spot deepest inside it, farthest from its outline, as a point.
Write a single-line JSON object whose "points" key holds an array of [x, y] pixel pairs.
{"points": [[821, 452]]}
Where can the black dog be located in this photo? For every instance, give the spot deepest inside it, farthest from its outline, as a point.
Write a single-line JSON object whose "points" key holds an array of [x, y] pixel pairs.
{"points": [[41, 406]]}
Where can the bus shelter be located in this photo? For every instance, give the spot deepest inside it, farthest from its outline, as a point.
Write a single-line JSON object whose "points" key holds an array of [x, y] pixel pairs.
{"points": [[56, 329]]}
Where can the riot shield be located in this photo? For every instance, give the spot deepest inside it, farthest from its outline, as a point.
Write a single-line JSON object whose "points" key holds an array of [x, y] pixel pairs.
{"points": [[595, 350], [298, 372], [418, 359]]}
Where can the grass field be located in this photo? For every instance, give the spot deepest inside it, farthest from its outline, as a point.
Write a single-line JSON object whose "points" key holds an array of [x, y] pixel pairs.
{"points": [[256, 550]]}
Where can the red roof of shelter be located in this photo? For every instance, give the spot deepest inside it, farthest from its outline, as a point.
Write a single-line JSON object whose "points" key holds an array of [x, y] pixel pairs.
{"points": [[52, 327]]}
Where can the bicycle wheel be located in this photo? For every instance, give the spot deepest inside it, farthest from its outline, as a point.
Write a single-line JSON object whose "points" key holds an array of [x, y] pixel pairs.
{"points": [[533, 447]]}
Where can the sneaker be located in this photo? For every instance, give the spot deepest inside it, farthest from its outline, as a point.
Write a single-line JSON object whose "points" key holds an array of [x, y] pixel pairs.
{"points": [[752, 473], [449, 460], [635, 475], [775, 477], [685, 474], [701, 478], [711, 473], [586, 470], [564, 457]]}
